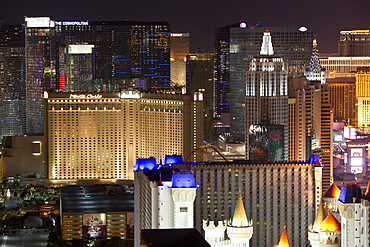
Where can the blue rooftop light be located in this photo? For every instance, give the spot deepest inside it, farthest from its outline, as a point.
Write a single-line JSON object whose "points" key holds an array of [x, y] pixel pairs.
{"points": [[173, 159], [183, 180], [145, 164], [348, 193]]}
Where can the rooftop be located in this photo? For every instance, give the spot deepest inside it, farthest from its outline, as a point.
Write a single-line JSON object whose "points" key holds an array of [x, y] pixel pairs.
{"points": [[97, 198]]}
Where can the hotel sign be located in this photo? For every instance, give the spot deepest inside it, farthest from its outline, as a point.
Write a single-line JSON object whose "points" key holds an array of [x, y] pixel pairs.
{"points": [[71, 23], [85, 96]]}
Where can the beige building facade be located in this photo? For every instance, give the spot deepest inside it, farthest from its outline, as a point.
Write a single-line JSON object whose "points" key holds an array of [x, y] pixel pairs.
{"points": [[99, 136]]}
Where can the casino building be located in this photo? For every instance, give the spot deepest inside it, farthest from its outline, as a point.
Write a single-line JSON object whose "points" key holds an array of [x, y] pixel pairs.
{"points": [[99, 136]]}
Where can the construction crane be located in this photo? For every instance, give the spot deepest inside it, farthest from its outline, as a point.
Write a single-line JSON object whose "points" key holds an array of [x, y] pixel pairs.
{"points": [[205, 147]]}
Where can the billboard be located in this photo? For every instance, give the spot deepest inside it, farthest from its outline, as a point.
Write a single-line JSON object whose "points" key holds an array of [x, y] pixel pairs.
{"points": [[94, 226], [276, 141], [258, 143]]}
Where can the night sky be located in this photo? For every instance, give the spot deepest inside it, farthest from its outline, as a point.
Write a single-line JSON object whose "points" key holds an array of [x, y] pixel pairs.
{"points": [[201, 17]]}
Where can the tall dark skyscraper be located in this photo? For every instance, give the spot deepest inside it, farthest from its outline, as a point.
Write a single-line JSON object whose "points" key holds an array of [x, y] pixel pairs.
{"points": [[12, 81], [222, 69], [92, 56], [200, 79], [293, 44]]}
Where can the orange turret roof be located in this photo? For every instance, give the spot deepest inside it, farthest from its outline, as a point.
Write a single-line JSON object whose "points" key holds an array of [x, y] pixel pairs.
{"points": [[330, 224], [284, 240], [332, 192], [318, 163]]}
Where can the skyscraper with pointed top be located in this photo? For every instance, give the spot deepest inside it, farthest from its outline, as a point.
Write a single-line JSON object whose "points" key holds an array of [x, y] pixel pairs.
{"points": [[266, 106]]}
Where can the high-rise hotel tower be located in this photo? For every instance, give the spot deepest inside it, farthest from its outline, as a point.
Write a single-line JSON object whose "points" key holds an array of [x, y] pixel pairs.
{"points": [[99, 136]]}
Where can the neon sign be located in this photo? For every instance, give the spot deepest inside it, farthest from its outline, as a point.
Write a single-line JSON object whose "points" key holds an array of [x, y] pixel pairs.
{"points": [[71, 23], [84, 96]]}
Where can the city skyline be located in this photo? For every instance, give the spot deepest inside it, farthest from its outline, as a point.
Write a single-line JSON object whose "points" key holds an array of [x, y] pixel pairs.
{"points": [[202, 18]]}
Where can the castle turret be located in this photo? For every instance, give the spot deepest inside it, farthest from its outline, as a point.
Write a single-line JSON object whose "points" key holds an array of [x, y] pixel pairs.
{"points": [[214, 234], [240, 229], [183, 196], [330, 199], [330, 232], [313, 231]]}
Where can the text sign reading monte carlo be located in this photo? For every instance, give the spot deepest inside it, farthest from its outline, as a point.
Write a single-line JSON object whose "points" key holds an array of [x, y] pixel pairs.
{"points": [[71, 23], [85, 96]]}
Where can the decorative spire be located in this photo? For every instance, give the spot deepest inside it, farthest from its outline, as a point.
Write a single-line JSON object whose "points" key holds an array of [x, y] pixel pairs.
{"points": [[284, 240], [266, 48], [240, 217], [315, 65], [320, 217]]}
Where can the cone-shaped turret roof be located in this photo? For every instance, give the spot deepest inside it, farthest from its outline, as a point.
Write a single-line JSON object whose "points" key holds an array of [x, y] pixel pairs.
{"points": [[332, 192], [318, 163], [266, 48], [320, 217], [240, 217], [330, 224], [284, 240]]}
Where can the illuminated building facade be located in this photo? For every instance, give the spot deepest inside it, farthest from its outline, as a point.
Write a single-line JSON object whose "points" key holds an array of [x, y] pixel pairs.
{"points": [[276, 195], [354, 43], [237, 47], [200, 79], [266, 106], [344, 64], [363, 97], [12, 81], [98, 136], [179, 50], [343, 99]]}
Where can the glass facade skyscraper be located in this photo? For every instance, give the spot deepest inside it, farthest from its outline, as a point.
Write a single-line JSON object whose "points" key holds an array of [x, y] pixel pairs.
{"points": [[12, 81]]}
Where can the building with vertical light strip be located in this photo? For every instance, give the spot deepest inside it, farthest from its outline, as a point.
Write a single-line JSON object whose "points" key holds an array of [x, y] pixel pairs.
{"points": [[179, 50], [363, 97], [343, 99], [40, 67], [99, 136]]}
